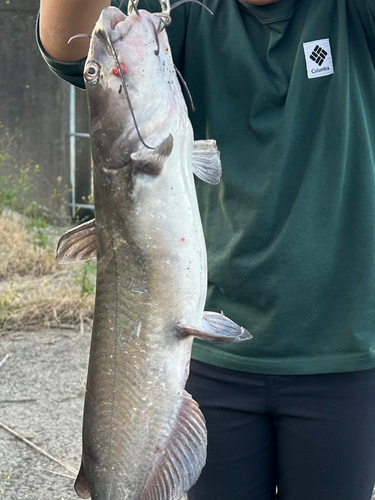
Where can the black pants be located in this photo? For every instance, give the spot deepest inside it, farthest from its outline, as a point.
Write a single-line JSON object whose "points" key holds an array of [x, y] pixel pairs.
{"points": [[311, 436]]}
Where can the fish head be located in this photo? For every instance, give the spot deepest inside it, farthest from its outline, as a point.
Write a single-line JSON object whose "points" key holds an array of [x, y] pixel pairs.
{"points": [[129, 51]]}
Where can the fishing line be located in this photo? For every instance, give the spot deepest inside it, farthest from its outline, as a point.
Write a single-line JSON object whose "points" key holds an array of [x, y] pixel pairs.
{"points": [[122, 79], [163, 23], [180, 2], [113, 50], [156, 38]]}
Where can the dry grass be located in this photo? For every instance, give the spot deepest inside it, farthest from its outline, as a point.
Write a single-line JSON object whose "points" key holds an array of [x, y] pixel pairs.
{"points": [[18, 254], [62, 309], [35, 292]]}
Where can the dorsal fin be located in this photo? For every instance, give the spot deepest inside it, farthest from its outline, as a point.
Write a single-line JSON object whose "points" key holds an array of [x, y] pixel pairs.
{"points": [[179, 461]]}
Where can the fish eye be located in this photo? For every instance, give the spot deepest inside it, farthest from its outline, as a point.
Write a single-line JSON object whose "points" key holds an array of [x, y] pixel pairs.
{"points": [[92, 71]]}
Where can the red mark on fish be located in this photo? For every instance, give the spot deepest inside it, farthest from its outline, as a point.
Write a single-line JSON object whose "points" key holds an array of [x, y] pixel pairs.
{"points": [[116, 72]]}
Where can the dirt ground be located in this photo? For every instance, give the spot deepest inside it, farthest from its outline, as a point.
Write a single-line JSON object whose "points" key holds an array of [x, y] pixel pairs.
{"points": [[42, 382]]}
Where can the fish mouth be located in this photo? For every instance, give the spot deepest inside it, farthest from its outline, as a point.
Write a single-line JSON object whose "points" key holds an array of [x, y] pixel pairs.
{"points": [[115, 23], [117, 18]]}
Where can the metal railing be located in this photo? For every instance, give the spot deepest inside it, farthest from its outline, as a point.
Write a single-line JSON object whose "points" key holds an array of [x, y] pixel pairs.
{"points": [[72, 152]]}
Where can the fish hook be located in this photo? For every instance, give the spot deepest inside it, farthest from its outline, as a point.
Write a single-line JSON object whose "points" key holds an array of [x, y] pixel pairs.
{"points": [[165, 20], [165, 7]]}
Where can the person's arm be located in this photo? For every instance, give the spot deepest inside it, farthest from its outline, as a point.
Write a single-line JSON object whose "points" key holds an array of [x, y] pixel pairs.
{"points": [[61, 19]]}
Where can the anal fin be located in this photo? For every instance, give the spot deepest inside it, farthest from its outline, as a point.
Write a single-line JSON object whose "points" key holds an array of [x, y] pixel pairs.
{"points": [[81, 485], [215, 328], [180, 458]]}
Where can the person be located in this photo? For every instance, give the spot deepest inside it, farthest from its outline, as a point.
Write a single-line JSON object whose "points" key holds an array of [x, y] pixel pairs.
{"points": [[287, 88]]}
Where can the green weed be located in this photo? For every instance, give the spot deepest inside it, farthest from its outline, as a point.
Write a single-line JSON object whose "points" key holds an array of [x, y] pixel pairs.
{"points": [[37, 223], [16, 181], [86, 280]]}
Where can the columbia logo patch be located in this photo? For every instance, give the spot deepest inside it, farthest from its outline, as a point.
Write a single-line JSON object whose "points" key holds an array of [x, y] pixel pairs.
{"points": [[318, 58], [318, 55]]}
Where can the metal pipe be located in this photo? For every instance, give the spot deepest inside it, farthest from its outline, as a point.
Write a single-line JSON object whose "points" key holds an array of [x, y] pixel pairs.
{"points": [[72, 144], [80, 134], [82, 205]]}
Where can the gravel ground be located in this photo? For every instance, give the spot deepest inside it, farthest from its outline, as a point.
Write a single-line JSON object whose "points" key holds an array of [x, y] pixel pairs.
{"points": [[41, 397], [42, 383]]}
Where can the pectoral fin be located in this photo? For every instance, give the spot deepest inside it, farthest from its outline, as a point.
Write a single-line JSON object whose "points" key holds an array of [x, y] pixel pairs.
{"points": [[151, 161], [77, 244], [216, 328], [81, 485], [180, 458], [206, 161]]}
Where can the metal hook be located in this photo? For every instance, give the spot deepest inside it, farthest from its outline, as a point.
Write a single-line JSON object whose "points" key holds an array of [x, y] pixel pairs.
{"points": [[133, 4], [165, 7], [165, 21]]}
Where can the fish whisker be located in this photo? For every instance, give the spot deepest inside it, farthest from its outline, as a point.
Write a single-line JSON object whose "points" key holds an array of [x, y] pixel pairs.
{"points": [[185, 87], [79, 35]]}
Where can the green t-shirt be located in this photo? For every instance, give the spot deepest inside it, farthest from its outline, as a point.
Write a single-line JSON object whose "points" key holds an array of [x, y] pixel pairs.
{"points": [[288, 92]]}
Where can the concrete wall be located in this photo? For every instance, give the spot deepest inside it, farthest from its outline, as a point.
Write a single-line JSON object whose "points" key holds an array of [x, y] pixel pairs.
{"points": [[36, 103]]}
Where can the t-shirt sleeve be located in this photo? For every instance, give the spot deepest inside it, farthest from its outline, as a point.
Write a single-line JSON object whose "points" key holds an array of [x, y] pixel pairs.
{"points": [[72, 71], [69, 71]]}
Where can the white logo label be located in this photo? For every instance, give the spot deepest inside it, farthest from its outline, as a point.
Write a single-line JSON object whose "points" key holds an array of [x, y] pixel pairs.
{"points": [[318, 58]]}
